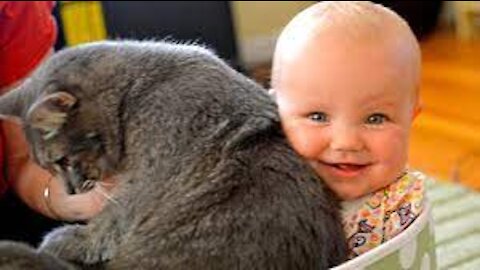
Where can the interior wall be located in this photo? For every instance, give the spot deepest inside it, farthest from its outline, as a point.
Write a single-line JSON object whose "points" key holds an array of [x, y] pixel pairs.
{"points": [[258, 23]]}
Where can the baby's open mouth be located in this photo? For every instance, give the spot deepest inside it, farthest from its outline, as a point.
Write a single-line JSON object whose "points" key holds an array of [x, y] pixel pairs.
{"points": [[348, 166], [346, 169]]}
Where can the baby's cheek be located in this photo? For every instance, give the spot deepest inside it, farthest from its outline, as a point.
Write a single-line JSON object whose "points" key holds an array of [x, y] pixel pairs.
{"points": [[390, 147], [307, 143]]}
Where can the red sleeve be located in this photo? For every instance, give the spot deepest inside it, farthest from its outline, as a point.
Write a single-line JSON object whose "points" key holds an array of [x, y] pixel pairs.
{"points": [[28, 32], [3, 181]]}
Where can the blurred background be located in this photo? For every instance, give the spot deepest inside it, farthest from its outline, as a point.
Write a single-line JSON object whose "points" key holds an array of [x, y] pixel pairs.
{"points": [[446, 137]]}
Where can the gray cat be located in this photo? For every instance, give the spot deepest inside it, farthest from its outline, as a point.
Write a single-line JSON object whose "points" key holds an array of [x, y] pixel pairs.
{"points": [[206, 177]]}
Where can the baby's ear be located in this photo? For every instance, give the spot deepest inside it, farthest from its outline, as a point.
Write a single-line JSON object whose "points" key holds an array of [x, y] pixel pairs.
{"points": [[416, 110], [51, 111]]}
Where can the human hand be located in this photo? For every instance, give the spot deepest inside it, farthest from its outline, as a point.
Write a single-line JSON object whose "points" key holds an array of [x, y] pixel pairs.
{"points": [[74, 207], [33, 183]]}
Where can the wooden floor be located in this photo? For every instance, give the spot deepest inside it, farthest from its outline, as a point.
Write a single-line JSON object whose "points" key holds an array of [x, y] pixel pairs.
{"points": [[445, 141], [446, 136]]}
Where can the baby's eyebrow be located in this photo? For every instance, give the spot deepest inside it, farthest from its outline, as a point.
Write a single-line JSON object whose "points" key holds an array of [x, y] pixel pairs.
{"points": [[376, 105], [380, 98], [385, 104]]}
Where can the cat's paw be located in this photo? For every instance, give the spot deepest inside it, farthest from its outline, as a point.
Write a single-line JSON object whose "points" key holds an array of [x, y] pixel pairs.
{"points": [[66, 242], [72, 243], [19, 256], [60, 238]]}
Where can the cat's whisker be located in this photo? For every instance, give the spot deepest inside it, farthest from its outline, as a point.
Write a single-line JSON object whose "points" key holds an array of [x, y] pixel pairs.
{"points": [[104, 193], [105, 184]]}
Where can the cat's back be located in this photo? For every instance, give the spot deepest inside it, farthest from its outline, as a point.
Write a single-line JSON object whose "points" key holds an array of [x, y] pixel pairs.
{"points": [[171, 74], [248, 203]]}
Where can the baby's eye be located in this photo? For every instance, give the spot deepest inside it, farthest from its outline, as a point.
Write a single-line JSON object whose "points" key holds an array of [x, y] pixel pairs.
{"points": [[377, 119], [318, 117]]}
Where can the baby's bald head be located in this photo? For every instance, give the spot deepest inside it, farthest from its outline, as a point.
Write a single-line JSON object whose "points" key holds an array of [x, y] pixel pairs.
{"points": [[343, 24], [345, 76]]}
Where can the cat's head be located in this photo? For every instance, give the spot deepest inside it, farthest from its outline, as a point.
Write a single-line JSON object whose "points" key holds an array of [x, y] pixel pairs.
{"points": [[65, 129]]}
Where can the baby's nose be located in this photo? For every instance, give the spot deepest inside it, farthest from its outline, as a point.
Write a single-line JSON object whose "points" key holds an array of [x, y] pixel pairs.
{"points": [[346, 139]]}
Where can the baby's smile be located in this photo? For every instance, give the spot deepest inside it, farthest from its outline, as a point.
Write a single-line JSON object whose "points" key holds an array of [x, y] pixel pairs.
{"points": [[344, 169]]}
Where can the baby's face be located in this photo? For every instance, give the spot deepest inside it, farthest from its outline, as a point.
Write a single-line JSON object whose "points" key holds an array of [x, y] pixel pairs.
{"points": [[348, 111]]}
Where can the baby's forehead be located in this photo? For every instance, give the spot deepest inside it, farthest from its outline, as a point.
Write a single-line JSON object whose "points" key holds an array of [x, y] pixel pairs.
{"points": [[330, 74]]}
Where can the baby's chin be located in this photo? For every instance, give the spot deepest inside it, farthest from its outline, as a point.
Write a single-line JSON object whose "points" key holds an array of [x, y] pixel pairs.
{"points": [[350, 194], [348, 191], [354, 188]]}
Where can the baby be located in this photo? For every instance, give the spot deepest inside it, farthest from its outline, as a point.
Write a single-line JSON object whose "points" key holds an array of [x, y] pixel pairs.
{"points": [[346, 77]]}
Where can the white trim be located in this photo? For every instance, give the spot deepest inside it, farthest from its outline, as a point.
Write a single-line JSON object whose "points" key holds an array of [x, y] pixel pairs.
{"points": [[392, 245]]}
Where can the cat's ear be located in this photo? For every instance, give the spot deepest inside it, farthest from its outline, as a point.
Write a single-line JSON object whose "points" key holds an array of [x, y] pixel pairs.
{"points": [[51, 111]]}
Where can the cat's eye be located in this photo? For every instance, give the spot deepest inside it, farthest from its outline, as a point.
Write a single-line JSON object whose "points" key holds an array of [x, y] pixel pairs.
{"points": [[376, 119], [319, 117], [63, 162]]}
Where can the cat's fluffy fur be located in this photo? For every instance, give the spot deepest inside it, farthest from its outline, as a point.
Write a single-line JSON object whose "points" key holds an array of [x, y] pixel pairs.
{"points": [[206, 177]]}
